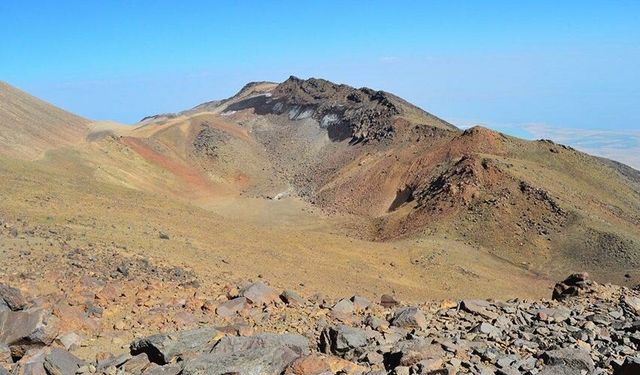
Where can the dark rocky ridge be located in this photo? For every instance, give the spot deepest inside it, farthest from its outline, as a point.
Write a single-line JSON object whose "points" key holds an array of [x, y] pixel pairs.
{"points": [[360, 115]]}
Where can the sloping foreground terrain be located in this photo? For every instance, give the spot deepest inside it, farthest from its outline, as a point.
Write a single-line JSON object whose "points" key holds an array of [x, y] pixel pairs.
{"points": [[252, 328], [117, 232]]}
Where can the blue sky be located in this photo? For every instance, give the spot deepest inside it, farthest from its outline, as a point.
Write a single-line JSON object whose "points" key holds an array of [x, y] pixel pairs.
{"points": [[553, 69]]}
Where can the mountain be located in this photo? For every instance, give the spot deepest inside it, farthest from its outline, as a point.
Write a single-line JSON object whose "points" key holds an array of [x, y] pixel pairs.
{"points": [[355, 187], [410, 174], [29, 126]]}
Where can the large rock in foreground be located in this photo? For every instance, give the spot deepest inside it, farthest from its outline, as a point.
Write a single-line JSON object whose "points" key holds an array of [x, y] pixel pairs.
{"points": [[61, 362], [344, 341], [26, 329], [260, 354], [165, 348], [567, 361], [596, 331], [11, 298], [409, 317]]}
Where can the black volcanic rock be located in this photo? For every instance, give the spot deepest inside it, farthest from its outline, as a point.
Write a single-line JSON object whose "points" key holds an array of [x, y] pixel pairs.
{"points": [[346, 112]]}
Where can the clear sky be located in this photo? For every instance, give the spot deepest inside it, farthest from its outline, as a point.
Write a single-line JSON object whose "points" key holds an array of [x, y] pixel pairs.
{"points": [[568, 70]]}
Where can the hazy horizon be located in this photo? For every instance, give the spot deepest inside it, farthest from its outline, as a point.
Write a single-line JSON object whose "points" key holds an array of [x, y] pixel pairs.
{"points": [[544, 70]]}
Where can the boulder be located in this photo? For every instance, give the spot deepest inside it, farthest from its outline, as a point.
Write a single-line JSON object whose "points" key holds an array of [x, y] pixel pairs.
{"points": [[316, 364], [360, 303], [17, 325], [554, 314], [633, 303], [260, 354], [487, 329], [11, 298], [409, 317], [567, 361], [32, 363], [388, 301], [574, 285], [290, 297], [232, 307], [164, 348], [309, 365], [343, 310], [259, 293], [137, 363], [376, 323], [373, 358], [25, 329], [110, 361], [69, 340], [344, 306], [344, 341], [61, 362], [413, 351]]}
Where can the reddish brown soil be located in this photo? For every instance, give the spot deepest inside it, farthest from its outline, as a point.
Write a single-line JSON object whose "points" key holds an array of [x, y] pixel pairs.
{"points": [[187, 174]]}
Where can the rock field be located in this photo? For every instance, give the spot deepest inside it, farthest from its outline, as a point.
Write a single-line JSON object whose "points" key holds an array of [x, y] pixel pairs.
{"points": [[252, 328]]}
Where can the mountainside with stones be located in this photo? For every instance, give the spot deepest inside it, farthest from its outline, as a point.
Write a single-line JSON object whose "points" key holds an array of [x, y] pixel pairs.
{"points": [[176, 327]]}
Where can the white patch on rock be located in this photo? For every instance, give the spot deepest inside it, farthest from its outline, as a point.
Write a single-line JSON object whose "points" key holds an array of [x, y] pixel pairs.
{"points": [[329, 119]]}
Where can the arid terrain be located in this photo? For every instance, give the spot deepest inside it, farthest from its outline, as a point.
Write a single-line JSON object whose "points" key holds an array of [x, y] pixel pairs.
{"points": [[120, 231]]}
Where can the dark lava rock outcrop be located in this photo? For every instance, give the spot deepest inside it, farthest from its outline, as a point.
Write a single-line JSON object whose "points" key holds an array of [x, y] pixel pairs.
{"points": [[346, 112]]}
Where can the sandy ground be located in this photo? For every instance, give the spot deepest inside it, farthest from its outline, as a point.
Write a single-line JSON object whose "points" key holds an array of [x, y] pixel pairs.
{"points": [[288, 242]]}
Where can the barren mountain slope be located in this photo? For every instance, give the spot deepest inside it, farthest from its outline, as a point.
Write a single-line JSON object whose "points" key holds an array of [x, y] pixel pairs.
{"points": [[206, 182], [354, 187], [370, 154], [58, 205], [401, 172], [29, 126]]}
